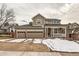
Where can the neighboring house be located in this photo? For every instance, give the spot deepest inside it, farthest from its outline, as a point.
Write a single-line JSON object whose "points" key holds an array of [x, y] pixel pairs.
{"points": [[5, 29], [41, 27], [8, 29], [73, 31]]}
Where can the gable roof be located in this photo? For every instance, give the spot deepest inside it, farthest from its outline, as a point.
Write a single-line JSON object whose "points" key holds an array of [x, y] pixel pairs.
{"points": [[38, 15], [46, 19], [73, 25]]}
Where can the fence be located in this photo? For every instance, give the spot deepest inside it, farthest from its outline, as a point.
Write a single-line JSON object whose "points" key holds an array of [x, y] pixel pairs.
{"points": [[9, 35]]}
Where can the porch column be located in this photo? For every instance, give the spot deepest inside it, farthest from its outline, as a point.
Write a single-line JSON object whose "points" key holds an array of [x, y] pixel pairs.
{"points": [[26, 33], [65, 32], [53, 32], [46, 32], [16, 34]]}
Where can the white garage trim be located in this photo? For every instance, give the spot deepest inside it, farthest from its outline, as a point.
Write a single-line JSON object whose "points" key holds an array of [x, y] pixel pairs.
{"points": [[34, 30]]}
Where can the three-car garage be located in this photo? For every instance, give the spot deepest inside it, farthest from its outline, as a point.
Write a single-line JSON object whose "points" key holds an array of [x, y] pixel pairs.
{"points": [[30, 33]]}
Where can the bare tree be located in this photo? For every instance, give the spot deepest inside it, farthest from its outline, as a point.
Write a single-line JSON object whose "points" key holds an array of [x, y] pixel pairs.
{"points": [[2, 11], [6, 15]]}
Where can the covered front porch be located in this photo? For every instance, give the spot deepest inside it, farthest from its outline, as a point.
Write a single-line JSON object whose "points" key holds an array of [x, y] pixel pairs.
{"points": [[55, 31]]}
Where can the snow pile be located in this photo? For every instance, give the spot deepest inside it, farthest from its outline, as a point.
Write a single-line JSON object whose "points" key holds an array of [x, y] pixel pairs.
{"points": [[37, 40], [17, 40], [62, 45]]}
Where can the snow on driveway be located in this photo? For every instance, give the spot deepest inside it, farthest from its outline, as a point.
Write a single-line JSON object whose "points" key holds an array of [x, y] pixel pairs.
{"points": [[62, 45], [28, 40], [34, 40], [17, 40], [37, 40], [3, 40]]}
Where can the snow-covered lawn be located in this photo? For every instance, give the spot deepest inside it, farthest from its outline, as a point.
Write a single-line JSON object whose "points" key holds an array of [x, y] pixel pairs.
{"points": [[17, 40], [62, 45]]}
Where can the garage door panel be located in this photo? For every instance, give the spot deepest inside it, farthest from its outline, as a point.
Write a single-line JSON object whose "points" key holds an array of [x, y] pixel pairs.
{"points": [[21, 35], [35, 35]]}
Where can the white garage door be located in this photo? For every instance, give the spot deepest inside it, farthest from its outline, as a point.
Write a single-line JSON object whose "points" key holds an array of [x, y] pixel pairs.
{"points": [[34, 34], [21, 35]]}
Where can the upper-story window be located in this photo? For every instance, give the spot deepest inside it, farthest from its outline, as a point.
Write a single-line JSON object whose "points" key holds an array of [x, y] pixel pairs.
{"points": [[38, 21], [56, 22]]}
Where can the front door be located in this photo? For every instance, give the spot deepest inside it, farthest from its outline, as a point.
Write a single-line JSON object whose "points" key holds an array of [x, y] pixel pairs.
{"points": [[49, 32]]}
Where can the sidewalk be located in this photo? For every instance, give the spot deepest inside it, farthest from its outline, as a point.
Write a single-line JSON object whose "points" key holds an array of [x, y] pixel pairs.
{"points": [[16, 53]]}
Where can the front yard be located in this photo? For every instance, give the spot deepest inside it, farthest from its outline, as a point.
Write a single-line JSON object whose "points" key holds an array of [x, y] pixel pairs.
{"points": [[13, 46], [39, 45]]}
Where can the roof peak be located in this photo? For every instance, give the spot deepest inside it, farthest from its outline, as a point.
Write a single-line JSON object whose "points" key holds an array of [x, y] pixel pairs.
{"points": [[38, 15]]}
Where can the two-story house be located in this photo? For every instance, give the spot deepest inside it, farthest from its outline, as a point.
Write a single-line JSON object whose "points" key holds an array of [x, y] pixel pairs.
{"points": [[41, 27]]}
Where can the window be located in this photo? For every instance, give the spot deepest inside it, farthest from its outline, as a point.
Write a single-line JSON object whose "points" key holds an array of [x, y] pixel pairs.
{"points": [[38, 22], [59, 30], [55, 30]]}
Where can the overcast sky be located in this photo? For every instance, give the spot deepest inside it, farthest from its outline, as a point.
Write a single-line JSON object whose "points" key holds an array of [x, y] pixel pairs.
{"points": [[25, 11]]}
